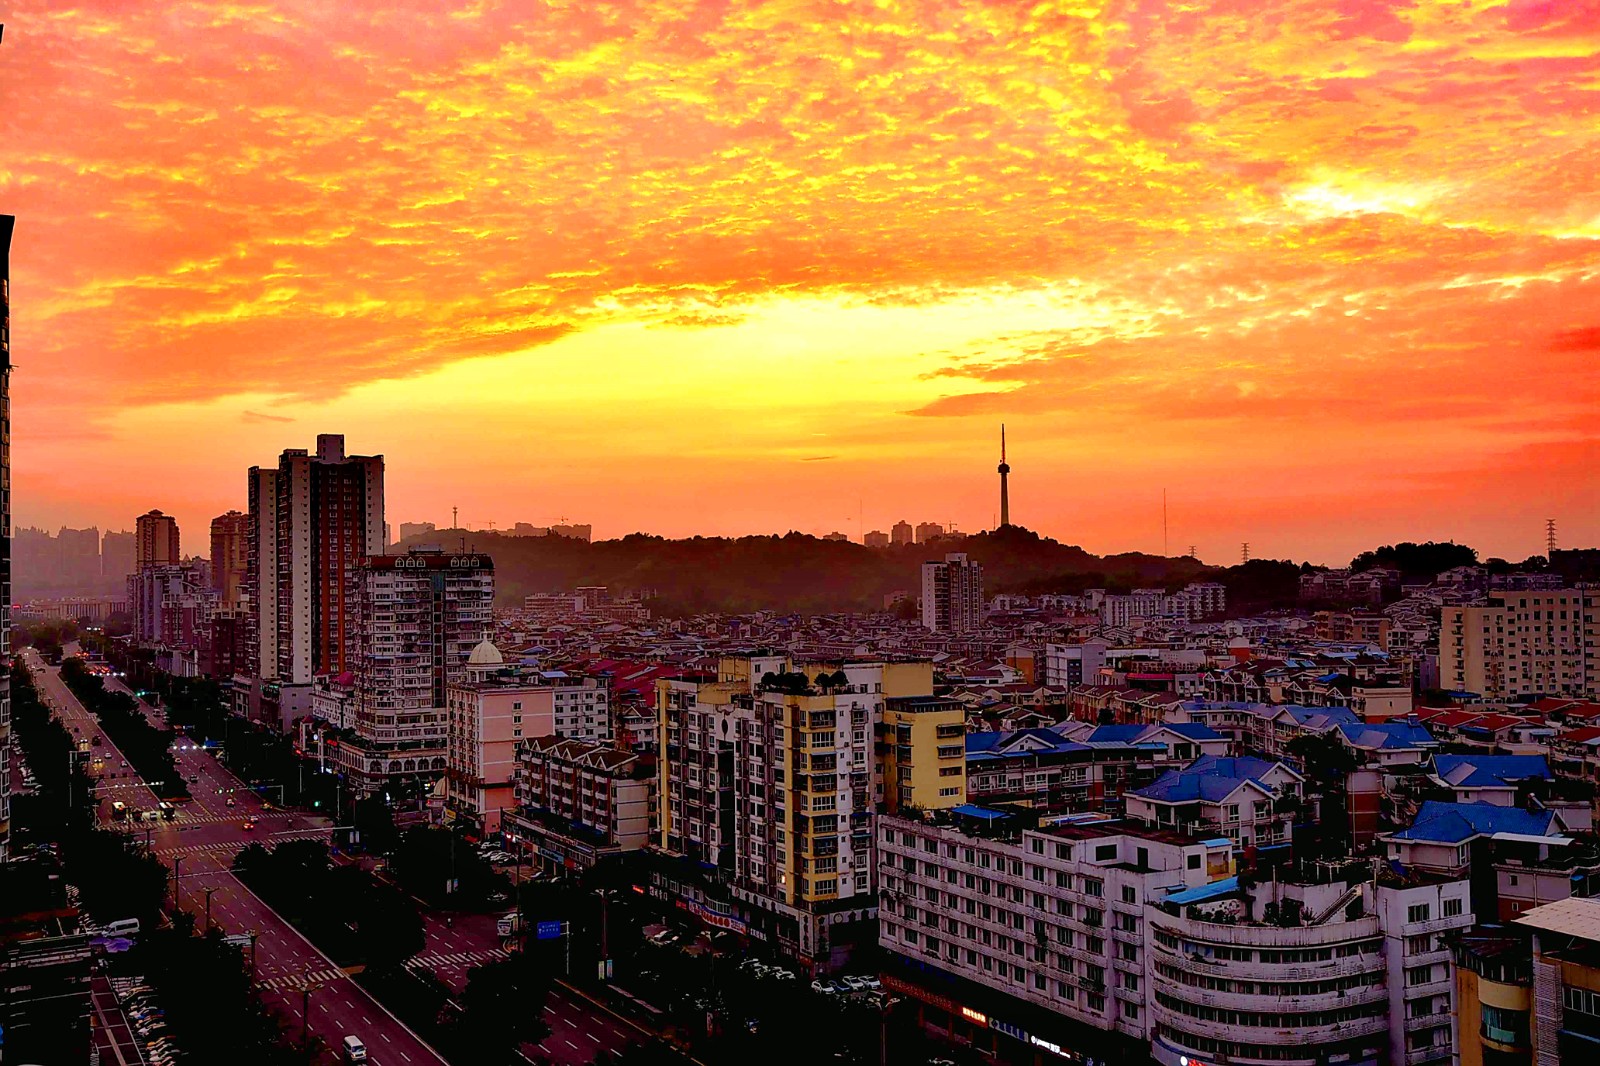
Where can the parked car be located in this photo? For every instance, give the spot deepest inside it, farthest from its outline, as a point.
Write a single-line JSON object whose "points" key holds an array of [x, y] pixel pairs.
{"points": [[826, 988]]}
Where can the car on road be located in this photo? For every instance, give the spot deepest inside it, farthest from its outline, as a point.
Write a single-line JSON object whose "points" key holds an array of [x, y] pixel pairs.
{"points": [[354, 1049], [194, 779], [230, 801], [248, 824]]}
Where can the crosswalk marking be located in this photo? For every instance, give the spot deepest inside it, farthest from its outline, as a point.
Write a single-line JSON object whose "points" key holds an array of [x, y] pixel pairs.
{"points": [[299, 981], [459, 958], [240, 845]]}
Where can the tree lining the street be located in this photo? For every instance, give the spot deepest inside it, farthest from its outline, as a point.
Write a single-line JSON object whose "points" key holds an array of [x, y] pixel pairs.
{"points": [[147, 749], [344, 910]]}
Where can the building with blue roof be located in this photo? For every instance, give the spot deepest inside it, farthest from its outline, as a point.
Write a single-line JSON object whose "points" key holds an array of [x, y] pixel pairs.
{"points": [[1237, 797], [1488, 778]]}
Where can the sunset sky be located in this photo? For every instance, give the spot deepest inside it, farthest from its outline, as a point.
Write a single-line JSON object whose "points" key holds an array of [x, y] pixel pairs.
{"points": [[1328, 272]]}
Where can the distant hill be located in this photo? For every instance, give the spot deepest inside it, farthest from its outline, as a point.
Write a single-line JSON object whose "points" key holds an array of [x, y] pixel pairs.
{"points": [[802, 574]]}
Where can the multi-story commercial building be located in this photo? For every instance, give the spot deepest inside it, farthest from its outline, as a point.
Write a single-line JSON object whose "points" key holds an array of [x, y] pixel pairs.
{"points": [[1333, 964], [1565, 1022], [157, 540], [7, 223], [1032, 929], [952, 594], [494, 709], [415, 620], [769, 775], [579, 804], [1523, 644], [230, 556]]}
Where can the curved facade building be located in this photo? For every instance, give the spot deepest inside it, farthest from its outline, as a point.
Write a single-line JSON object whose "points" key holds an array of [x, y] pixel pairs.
{"points": [[1349, 972]]}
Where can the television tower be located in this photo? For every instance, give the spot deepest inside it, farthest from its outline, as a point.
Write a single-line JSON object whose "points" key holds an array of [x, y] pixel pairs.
{"points": [[1005, 468]]}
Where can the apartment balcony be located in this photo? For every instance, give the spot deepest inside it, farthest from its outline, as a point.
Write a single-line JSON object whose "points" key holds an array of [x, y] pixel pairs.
{"points": [[1266, 1001], [1420, 1056], [1418, 1022], [1437, 987], [1300, 1037], [1274, 971]]}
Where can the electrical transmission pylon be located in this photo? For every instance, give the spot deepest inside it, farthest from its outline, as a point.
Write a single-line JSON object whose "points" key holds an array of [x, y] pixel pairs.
{"points": [[1549, 538], [1244, 552]]}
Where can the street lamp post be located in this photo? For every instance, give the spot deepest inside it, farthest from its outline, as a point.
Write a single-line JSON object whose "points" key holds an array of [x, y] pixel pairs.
{"points": [[177, 885]]}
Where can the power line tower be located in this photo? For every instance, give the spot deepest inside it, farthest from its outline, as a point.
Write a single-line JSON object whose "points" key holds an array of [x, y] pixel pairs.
{"points": [[1193, 552], [1244, 552], [455, 519], [1549, 538]]}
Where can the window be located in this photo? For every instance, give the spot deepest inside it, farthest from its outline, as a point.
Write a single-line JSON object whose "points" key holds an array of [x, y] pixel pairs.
{"points": [[1452, 907], [1130, 894], [1418, 912]]}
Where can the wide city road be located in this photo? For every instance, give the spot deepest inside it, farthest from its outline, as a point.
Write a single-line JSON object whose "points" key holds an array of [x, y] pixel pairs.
{"points": [[208, 836], [292, 974]]}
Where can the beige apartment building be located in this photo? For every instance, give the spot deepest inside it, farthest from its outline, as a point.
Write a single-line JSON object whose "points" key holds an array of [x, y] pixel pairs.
{"points": [[1523, 644]]}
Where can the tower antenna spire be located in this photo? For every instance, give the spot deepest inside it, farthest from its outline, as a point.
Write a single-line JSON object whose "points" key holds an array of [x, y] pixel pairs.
{"points": [[1005, 468]]}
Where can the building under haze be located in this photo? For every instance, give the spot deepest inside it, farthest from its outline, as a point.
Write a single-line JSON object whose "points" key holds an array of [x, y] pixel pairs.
{"points": [[118, 552], [415, 529], [876, 539], [902, 532], [952, 594], [230, 556], [156, 536]]}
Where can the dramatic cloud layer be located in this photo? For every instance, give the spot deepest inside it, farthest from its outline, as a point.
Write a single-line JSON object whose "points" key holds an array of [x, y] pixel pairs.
{"points": [[1329, 271]]}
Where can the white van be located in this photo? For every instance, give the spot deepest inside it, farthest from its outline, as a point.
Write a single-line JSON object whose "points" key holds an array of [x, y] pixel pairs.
{"points": [[354, 1049], [123, 927]]}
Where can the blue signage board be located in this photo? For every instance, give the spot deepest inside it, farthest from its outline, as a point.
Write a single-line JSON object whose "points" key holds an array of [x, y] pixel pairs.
{"points": [[549, 930]]}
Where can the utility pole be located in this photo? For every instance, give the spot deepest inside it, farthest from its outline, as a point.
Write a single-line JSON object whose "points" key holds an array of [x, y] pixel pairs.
{"points": [[177, 885], [1163, 523], [208, 915]]}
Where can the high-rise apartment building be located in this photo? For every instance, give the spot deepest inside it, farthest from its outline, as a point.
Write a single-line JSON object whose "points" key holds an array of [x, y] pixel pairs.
{"points": [[329, 521], [875, 539], [769, 776], [157, 537], [927, 531], [902, 532], [312, 522], [230, 556], [7, 222], [952, 594], [1522, 644], [414, 622]]}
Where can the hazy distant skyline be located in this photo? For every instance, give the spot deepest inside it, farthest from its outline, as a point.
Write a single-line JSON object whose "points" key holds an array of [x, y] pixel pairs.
{"points": [[1325, 271]]}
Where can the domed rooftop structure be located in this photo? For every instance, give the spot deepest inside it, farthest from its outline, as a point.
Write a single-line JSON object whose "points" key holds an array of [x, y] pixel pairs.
{"points": [[485, 654]]}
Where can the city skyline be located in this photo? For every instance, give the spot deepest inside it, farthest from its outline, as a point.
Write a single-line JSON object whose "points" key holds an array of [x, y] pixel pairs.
{"points": [[1333, 261]]}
